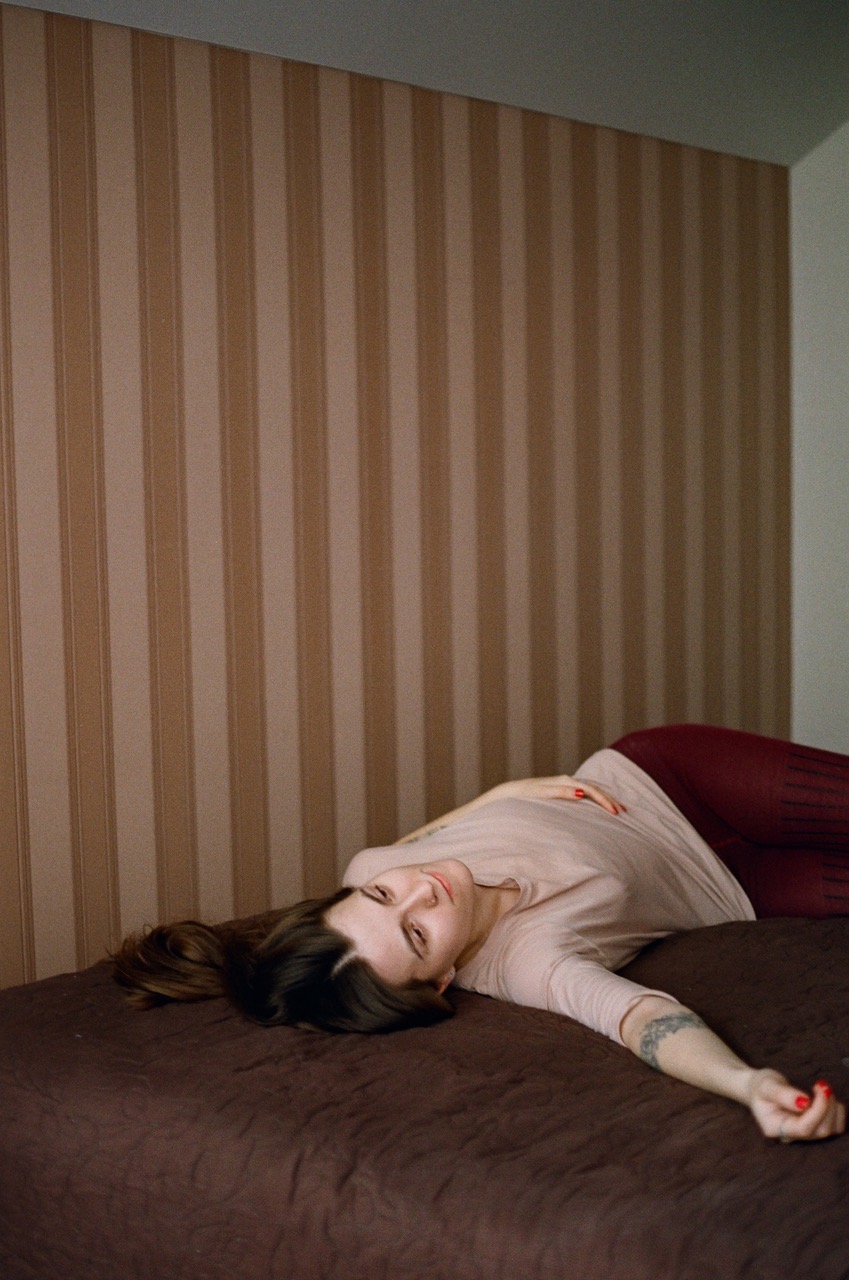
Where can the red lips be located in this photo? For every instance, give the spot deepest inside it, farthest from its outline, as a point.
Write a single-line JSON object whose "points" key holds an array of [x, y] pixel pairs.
{"points": [[445, 883]]}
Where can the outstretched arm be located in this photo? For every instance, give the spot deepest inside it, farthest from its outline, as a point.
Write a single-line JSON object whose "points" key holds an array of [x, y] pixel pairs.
{"points": [[674, 1040], [563, 787]]}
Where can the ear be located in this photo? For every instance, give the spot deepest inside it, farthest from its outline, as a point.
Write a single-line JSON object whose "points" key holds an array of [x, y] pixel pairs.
{"points": [[445, 980]]}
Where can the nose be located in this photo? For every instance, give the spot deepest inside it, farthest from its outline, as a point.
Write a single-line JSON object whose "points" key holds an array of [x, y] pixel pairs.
{"points": [[421, 893]]}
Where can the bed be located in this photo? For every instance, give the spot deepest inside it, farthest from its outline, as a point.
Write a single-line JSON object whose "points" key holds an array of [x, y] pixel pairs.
{"points": [[505, 1144]]}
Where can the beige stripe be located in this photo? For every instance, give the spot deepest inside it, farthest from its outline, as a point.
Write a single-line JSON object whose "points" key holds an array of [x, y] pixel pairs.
{"points": [[653, 490], [309, 415], [780, 629], [462, 447], [693, 479], [431, 281], [631, 443], [771, 551], [129, 629], [541, 418], [731, 417], [406, 514], [751, 557], [81, 479], [587, 461], [202, 442], [514, 306], [712, 249], [610, 419], [17, 952], [674, 511], [781, 451], [274, 406], [163, 404], [231, 116], [489, 420], [564, 379], [37, 499], [375, 461], [344, 479]]}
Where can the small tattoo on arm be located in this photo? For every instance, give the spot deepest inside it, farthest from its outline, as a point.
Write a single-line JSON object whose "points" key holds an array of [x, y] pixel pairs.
{"points": [[659, 1028], [428, 831]]}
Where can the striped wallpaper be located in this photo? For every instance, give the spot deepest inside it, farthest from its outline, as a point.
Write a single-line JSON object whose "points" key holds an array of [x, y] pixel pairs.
{"points": [[361, 446]]}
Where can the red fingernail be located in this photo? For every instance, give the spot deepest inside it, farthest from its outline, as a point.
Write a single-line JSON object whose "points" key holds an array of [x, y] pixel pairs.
{"points": [[802, 1103], [579, 793], [825, 1087]]}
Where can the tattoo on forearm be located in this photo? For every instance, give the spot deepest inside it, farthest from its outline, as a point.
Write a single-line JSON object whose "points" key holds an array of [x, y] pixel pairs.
{"points": [[428, 831], [659, 1028]]}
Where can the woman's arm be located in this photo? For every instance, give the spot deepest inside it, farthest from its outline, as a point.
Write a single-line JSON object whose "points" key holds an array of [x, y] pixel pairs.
{"points": [[673, 1039], [560, 788]]}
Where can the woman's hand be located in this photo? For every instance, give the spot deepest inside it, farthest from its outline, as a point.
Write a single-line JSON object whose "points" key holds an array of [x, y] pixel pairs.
{"points": [[562, 787], [784, 1112], [673, 1039]]}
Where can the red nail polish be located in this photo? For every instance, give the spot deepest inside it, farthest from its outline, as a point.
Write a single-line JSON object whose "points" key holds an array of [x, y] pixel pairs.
{"points": [[824, 1087], [579, 793], [802, 1103]]}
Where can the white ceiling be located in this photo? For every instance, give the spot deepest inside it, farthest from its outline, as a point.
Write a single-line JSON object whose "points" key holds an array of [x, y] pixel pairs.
{"points": [[767, 79]]}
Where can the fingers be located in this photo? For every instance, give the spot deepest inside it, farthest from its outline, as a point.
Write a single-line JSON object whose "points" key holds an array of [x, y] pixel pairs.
{"points": [[574, 789], [561, 787], [602, 798], [792, 1116]]}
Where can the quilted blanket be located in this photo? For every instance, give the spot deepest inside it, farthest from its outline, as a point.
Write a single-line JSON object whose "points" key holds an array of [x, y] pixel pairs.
{"points": [[186, 1143]]}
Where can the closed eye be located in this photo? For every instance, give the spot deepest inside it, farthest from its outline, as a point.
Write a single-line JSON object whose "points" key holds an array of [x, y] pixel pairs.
{"points": [[376, 892], [413, 936], [419, 936]]}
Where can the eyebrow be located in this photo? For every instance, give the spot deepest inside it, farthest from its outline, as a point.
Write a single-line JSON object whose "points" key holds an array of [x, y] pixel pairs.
{"points": [[381, 902]]}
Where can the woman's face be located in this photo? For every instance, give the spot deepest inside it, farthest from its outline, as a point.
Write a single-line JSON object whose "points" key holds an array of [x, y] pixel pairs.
{"points": [[410, 923]]}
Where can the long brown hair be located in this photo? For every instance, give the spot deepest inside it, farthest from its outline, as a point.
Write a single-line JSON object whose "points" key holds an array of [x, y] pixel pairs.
{"points": [[288, 966]]}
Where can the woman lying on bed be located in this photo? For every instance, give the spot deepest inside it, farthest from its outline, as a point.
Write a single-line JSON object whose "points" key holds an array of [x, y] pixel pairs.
{"points": [[538, 891]]}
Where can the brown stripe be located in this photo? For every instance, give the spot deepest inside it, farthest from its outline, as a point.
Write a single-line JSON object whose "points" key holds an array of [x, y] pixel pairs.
{"points": [[165, 498], [375, 459], [429, 179], [82, 498], [588, 690], [633, 651], [712, 436], [674, 513], [489, 425], [231, 122], [541, 461], [17, 951], [309, 420]]}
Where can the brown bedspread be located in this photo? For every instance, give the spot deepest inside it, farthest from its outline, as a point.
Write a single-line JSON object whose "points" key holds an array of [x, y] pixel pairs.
{"points": [[188, 1144]]}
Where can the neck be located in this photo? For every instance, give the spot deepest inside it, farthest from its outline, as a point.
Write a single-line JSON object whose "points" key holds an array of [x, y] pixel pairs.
{"points": [[491, 903]]}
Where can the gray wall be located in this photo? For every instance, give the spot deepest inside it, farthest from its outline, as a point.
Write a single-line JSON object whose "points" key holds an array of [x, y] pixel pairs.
{"points": [[820, 284], [768, 79]]}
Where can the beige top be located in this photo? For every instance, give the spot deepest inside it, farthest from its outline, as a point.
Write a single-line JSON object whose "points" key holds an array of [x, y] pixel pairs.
{"points": [[594, 889]]}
